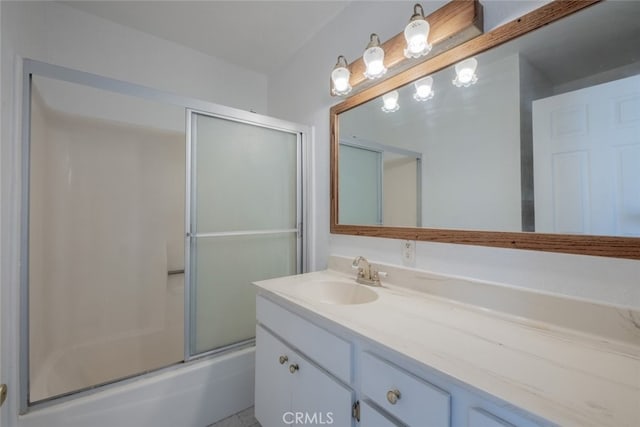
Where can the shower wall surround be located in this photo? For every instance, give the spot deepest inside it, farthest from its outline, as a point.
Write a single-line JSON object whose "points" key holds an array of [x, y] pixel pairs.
{"points": [[108, 311]]}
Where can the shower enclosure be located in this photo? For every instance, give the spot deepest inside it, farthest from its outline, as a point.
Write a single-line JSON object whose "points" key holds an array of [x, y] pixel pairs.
{"points": [[146, 217]]}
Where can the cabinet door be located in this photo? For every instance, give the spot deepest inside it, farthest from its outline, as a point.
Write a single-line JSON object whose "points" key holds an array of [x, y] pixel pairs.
{"points": [[481, 418], [319, 397], [370, 417], [273, 380]]}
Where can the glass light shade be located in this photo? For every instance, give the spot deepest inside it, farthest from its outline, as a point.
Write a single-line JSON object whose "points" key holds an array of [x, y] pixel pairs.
{"points": [[424, 89], [416, 33], [466, 73], [390, 102], [374, 60], [340, 78]]}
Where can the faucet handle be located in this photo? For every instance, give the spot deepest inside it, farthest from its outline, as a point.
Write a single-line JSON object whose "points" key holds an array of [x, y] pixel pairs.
{"points": [[356, 262], [377, 275]]}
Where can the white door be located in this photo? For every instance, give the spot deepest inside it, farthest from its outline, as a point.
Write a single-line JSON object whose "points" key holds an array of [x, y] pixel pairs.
{"points": [[586, 149], [273, 379], [321, 399]]}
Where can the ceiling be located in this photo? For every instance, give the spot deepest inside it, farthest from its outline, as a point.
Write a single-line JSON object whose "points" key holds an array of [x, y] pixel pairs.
{"points": [[259, 35]]}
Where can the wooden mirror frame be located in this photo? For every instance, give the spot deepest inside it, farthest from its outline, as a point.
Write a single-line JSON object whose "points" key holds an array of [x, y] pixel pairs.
{"points": [[609, 246]]}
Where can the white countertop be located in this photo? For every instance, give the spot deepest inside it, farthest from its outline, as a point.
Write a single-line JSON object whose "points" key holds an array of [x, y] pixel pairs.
{"points": [[567, 376]]}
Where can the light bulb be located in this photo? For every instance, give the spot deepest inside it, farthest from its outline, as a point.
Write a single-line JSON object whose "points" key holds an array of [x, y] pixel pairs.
{"points": [[340, 77], [466, 73], [390, 102], [424, 89], [416, 34], [374, 59]]}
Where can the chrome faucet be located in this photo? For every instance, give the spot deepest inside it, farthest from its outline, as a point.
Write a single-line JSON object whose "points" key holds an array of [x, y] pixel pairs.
{"points": [[367, 274]]}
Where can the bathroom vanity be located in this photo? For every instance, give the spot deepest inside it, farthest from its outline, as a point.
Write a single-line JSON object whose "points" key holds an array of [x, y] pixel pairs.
{"points": [[427, 351]]}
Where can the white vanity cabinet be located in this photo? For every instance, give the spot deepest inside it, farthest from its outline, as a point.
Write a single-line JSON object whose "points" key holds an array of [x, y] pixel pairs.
{"points": [[346, 380], [297, 389]]}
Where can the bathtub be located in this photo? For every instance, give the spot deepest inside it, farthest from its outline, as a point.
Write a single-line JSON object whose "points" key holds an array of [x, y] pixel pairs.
{"points": [[195, 394]]}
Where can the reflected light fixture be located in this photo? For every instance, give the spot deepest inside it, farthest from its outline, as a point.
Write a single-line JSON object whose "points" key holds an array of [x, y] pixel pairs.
{"points": [[416, 33], [466, 73], [390, 102], [374, 58], [340, 77], [424, 89]]}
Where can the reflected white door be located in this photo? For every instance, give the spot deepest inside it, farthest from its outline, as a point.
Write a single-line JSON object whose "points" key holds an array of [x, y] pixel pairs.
{"points": [[360, 192], [586, 147]]}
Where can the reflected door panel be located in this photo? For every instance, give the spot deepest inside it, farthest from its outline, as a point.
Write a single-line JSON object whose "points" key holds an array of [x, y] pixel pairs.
{"points": [[360, 185], [586, 156]]}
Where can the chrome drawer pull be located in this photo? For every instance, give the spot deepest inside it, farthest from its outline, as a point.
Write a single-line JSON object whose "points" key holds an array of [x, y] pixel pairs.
{"points": [[293, 368], [393, 396], [283, 360]]}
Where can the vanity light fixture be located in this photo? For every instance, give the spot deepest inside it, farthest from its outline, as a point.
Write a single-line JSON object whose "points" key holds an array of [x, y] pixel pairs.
{"points": [[390, 102], [374, 58], [416, 33], [340, 77], [466, 73], [424, 89]]}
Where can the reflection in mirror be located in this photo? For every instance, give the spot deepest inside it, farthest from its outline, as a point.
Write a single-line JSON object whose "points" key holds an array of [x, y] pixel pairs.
{"points": [[545, 137], [379, 184]]}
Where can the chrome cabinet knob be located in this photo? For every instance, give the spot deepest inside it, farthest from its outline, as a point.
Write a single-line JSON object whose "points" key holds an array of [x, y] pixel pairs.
{"points": [[283, 360], [393, 396], [293, 368]]}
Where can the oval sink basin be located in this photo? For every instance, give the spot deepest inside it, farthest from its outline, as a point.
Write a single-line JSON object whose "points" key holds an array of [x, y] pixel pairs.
{"points": [[339, 293]]}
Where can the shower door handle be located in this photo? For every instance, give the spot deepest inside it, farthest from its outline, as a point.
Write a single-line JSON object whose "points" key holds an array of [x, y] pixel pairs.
{"points": [[3, 393], [174, 272]]}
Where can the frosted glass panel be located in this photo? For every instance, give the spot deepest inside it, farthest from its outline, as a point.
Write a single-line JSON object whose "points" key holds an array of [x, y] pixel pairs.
{"points": [[360, 186], [245, 207], [245, 176], [224, 267], [106, 222]]}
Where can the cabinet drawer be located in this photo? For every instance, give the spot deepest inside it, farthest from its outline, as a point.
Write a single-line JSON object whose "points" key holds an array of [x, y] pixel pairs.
{"points": [[418, 402], [481, 418], [370, 417], [327, 350]]}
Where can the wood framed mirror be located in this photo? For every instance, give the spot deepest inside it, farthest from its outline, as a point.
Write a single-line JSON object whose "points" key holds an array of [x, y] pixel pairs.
{"points": [[557, 167]]}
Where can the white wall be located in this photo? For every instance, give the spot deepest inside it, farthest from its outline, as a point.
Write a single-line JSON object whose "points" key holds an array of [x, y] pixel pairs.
{"points": [[56, 33], [59, 34], [307, 76]]}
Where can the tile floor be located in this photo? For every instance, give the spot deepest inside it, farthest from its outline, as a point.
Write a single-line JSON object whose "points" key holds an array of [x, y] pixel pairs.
{"points": [[241, 419]]}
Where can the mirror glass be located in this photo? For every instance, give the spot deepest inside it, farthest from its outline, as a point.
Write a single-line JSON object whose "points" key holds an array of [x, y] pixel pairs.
{"points": [[544, 137]]}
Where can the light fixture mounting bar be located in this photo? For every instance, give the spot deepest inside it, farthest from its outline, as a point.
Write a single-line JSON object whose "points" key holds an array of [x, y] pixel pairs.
{"points": [[454, 23]]}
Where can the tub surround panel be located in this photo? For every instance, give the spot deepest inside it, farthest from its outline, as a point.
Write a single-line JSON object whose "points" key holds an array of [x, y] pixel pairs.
{"points": [[198, 394], [514, 345]]}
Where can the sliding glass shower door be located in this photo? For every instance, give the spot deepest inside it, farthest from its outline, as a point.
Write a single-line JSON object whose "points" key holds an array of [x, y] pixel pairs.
{"points": [[142, 232], [245, 224]]}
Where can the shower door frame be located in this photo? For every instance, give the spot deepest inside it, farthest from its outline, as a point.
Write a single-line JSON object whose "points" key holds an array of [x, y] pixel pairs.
{"points": [[20, 356], [191, 235]]}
